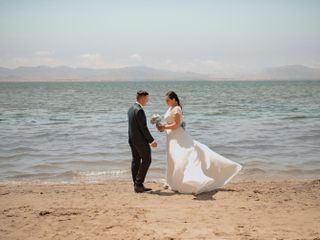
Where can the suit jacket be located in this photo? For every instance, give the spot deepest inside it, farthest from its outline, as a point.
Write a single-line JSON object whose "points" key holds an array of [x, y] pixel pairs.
{"points": [[138, 130]]}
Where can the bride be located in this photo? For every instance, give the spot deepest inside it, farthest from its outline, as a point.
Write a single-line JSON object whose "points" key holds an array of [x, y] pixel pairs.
{"points": [[191, 166]]}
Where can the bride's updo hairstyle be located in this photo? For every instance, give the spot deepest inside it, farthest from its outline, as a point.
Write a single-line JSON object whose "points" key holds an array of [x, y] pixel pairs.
{"points": [[173, 95]]}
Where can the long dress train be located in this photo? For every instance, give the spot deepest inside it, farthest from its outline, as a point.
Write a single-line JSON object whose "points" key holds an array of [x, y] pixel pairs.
{"points": [[192, 167]]}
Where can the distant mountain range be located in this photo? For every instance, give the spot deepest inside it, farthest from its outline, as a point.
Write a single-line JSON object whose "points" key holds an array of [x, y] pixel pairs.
{"points": [[142, 73], [291, 72]]}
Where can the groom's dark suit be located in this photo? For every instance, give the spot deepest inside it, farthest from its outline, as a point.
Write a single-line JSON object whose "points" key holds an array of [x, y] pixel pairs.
{"points": [[139, 140]]}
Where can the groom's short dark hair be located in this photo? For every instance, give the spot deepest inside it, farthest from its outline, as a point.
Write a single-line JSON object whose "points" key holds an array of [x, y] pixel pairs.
{"points": [[142, 93]]}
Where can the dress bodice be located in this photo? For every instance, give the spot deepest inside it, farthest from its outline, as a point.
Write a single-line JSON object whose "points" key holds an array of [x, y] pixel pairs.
{"points": [[168, 116]]}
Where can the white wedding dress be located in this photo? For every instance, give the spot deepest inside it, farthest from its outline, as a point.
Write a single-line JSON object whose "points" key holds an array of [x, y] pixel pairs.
{"points": [[191, 166]]}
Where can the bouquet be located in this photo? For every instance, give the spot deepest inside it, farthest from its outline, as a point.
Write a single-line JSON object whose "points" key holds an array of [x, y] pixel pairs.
{"points": [[156, 119]]}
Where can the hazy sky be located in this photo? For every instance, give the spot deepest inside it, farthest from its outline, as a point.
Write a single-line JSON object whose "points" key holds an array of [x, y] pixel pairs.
{"points": [[220, 37]]}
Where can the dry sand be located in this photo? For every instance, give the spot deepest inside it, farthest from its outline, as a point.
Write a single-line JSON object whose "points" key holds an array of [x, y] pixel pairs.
{"points": [[241, 210]]}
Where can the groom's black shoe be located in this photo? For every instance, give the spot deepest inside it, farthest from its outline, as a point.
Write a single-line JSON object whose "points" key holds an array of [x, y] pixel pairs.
{"points": [[139, 188]]}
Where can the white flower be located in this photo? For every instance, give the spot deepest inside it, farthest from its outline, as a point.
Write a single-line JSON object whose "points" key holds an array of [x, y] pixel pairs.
{"points": [[155, 119]]}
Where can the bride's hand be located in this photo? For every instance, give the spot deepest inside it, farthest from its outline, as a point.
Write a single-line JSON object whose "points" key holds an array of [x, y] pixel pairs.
{"points": [[160, 127]]}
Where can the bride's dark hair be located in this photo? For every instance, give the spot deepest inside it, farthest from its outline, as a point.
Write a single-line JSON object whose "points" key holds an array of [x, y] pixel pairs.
{"points": [[173, 95]]}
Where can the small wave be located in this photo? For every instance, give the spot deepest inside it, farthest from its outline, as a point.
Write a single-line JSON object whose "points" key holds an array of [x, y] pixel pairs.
{"points": [[215, 113], [253, 171], [93, 176], [9, 157], [251, 163], [116, 172], [68, 174], [251, 146], [104, 173], [299, 117], [299, 171], [57, 123], [90, 163], [5, 165], [71, 176], [308, 137], [32, 176], [59, 119], [41, 135], [46, 167], [21, 149], [295, 117], [312, 163], [23, 155], [292, 172]]}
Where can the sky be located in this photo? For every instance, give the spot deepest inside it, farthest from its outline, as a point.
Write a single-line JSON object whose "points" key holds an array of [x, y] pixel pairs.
{"points": [[205, 36]]}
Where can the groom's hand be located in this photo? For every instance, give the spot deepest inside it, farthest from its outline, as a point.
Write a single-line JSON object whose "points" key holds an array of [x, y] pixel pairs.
{"points": [[154, 144]]}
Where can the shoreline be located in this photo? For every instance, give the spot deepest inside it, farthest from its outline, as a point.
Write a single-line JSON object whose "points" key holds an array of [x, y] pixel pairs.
{"points": [[246, 209], [239, 178]]}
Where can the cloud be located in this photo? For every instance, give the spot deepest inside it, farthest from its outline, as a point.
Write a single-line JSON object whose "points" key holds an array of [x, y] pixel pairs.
{"points": [[90, 60], [96, 60], [205, 66], [136, 57], [43, 53], [91, 57], [41, 57], [13, 62]]}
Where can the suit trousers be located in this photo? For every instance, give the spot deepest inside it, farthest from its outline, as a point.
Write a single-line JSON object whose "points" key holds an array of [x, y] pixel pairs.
{"points": [[141, 160]]}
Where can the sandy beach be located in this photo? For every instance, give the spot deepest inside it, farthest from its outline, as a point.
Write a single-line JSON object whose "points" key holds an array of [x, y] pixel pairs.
{"points": [[240, 210]]}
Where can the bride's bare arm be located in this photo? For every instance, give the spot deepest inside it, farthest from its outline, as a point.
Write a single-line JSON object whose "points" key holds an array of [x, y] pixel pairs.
{"points": [[176, 123]]}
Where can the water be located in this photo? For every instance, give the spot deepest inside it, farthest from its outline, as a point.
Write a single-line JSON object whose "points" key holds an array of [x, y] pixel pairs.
{"points": [[71, 132]]}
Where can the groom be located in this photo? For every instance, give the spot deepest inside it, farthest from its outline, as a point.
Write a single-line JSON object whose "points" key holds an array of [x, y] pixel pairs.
{"points": [[140, 140]]}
